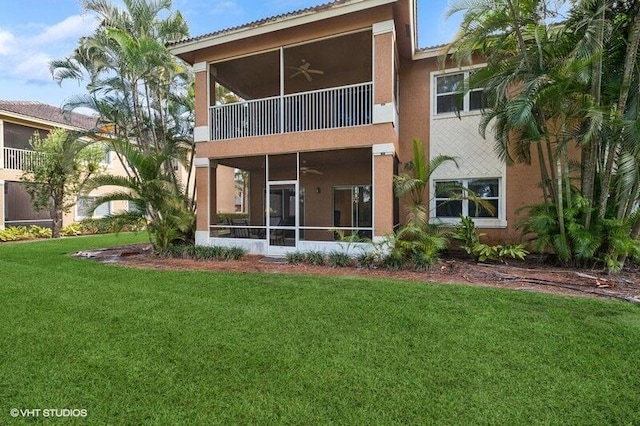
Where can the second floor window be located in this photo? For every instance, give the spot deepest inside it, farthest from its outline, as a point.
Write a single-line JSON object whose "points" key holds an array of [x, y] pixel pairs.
{"points": [[450, 96]]}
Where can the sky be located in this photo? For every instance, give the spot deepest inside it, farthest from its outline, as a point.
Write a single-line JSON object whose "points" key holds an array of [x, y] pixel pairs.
{"points": [[34, 32]]}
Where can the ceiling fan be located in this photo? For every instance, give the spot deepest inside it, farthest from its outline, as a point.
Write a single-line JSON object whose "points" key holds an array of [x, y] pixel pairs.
{"points": [[305, 170], [306, 70]]}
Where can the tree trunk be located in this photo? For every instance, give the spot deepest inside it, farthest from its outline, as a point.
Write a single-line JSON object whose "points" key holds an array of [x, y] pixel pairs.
{"points": [[57, 215], [612, 153], [590, 151]]}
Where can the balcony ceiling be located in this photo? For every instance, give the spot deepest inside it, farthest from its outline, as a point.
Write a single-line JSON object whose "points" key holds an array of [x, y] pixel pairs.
{"points": [[319, 160], [343, 60]]}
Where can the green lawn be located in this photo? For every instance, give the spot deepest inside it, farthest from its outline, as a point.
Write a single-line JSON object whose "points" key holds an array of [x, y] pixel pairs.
{"points": [[154, 347]]}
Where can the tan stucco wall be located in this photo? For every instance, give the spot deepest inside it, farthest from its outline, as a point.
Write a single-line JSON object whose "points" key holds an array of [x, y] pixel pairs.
{"points": [[202, 197], [225, 196], [414, 105], [521, 181], [383, 68], [201, 88], [383, 195], [348, 137]]}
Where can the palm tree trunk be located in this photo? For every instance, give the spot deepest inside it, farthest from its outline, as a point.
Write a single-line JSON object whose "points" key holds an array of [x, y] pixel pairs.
{"points": [[544, 176], [629, 67], [566, 173], [553, 172], [559, 201], [516, 28], [590, 151]]}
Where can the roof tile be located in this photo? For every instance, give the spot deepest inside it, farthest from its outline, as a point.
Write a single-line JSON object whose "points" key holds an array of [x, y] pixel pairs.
{"points": [[264, 21], [49, 113]]}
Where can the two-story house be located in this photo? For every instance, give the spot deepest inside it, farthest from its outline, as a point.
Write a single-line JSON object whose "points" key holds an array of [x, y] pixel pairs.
{"points": [[19, 120], [331, 98]]}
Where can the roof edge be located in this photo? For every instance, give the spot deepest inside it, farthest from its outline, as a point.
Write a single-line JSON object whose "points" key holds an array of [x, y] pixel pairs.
{"points": [[276, 23], [38, 120]]}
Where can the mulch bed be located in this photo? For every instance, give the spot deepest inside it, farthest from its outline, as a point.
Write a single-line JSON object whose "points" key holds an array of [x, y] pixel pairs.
{"points": [[523, 276]]}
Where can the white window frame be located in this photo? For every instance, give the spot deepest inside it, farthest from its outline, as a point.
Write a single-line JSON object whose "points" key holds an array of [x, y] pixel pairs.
{"points": [[465, 71], [80, 216], [480, 222]]}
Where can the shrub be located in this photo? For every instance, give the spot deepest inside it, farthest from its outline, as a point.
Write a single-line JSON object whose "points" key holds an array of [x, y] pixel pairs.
{"points": [[394, 260], [205, 252], [71, 230], [315, 258], [39, 231], [296, 257], [234, 253], [338, 259], [513, 251], [483, 252], [18, 233], [108, 225], [416, 246], [466, 233], [368, 260]]}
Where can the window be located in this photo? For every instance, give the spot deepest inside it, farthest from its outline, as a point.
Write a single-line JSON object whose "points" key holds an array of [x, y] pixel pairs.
{"points": [[84, 204], [131, 207], [452, 202], [450, 96], [107, 157]]}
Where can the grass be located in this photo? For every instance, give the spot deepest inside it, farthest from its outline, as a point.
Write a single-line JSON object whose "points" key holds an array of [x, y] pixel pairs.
{"points": [[157, 347]]}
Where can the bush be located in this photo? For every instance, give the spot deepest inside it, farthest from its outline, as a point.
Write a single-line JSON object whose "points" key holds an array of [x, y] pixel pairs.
{"points": [[368, 260], [394, 260], [296, 257], [466, 233], [71, 230], [315, 258], [205, 252], [338, 259], [18, 233], [418, 247], [107, 225]]}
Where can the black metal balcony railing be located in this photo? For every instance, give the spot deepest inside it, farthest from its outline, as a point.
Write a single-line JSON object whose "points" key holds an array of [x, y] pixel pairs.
{"points": [[320, 109]]}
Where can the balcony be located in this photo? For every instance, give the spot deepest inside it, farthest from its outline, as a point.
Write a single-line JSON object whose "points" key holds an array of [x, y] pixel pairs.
{"points": [[20, 159], [315, 85], [332, 108]]}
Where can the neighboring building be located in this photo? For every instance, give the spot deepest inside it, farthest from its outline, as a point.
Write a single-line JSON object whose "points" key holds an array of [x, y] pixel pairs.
{"points": [[19, 120], [330, 100]]}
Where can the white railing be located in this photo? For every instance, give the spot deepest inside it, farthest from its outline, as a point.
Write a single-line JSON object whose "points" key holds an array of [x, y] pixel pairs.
{"points": [[319, 109], [20, 159], [244, 119]]}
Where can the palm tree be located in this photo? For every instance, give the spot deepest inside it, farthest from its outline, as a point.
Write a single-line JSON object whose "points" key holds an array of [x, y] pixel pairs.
{"points": [[547, 89], [414, 183], [142, 94], [151, 195]]}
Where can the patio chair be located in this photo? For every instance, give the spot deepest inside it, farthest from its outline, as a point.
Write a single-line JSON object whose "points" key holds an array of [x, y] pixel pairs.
{"points": [[239, 232], [276, 236]]}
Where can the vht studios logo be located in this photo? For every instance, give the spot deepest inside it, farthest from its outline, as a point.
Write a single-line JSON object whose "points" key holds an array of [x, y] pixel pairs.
{"points": [[48, 412]]}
